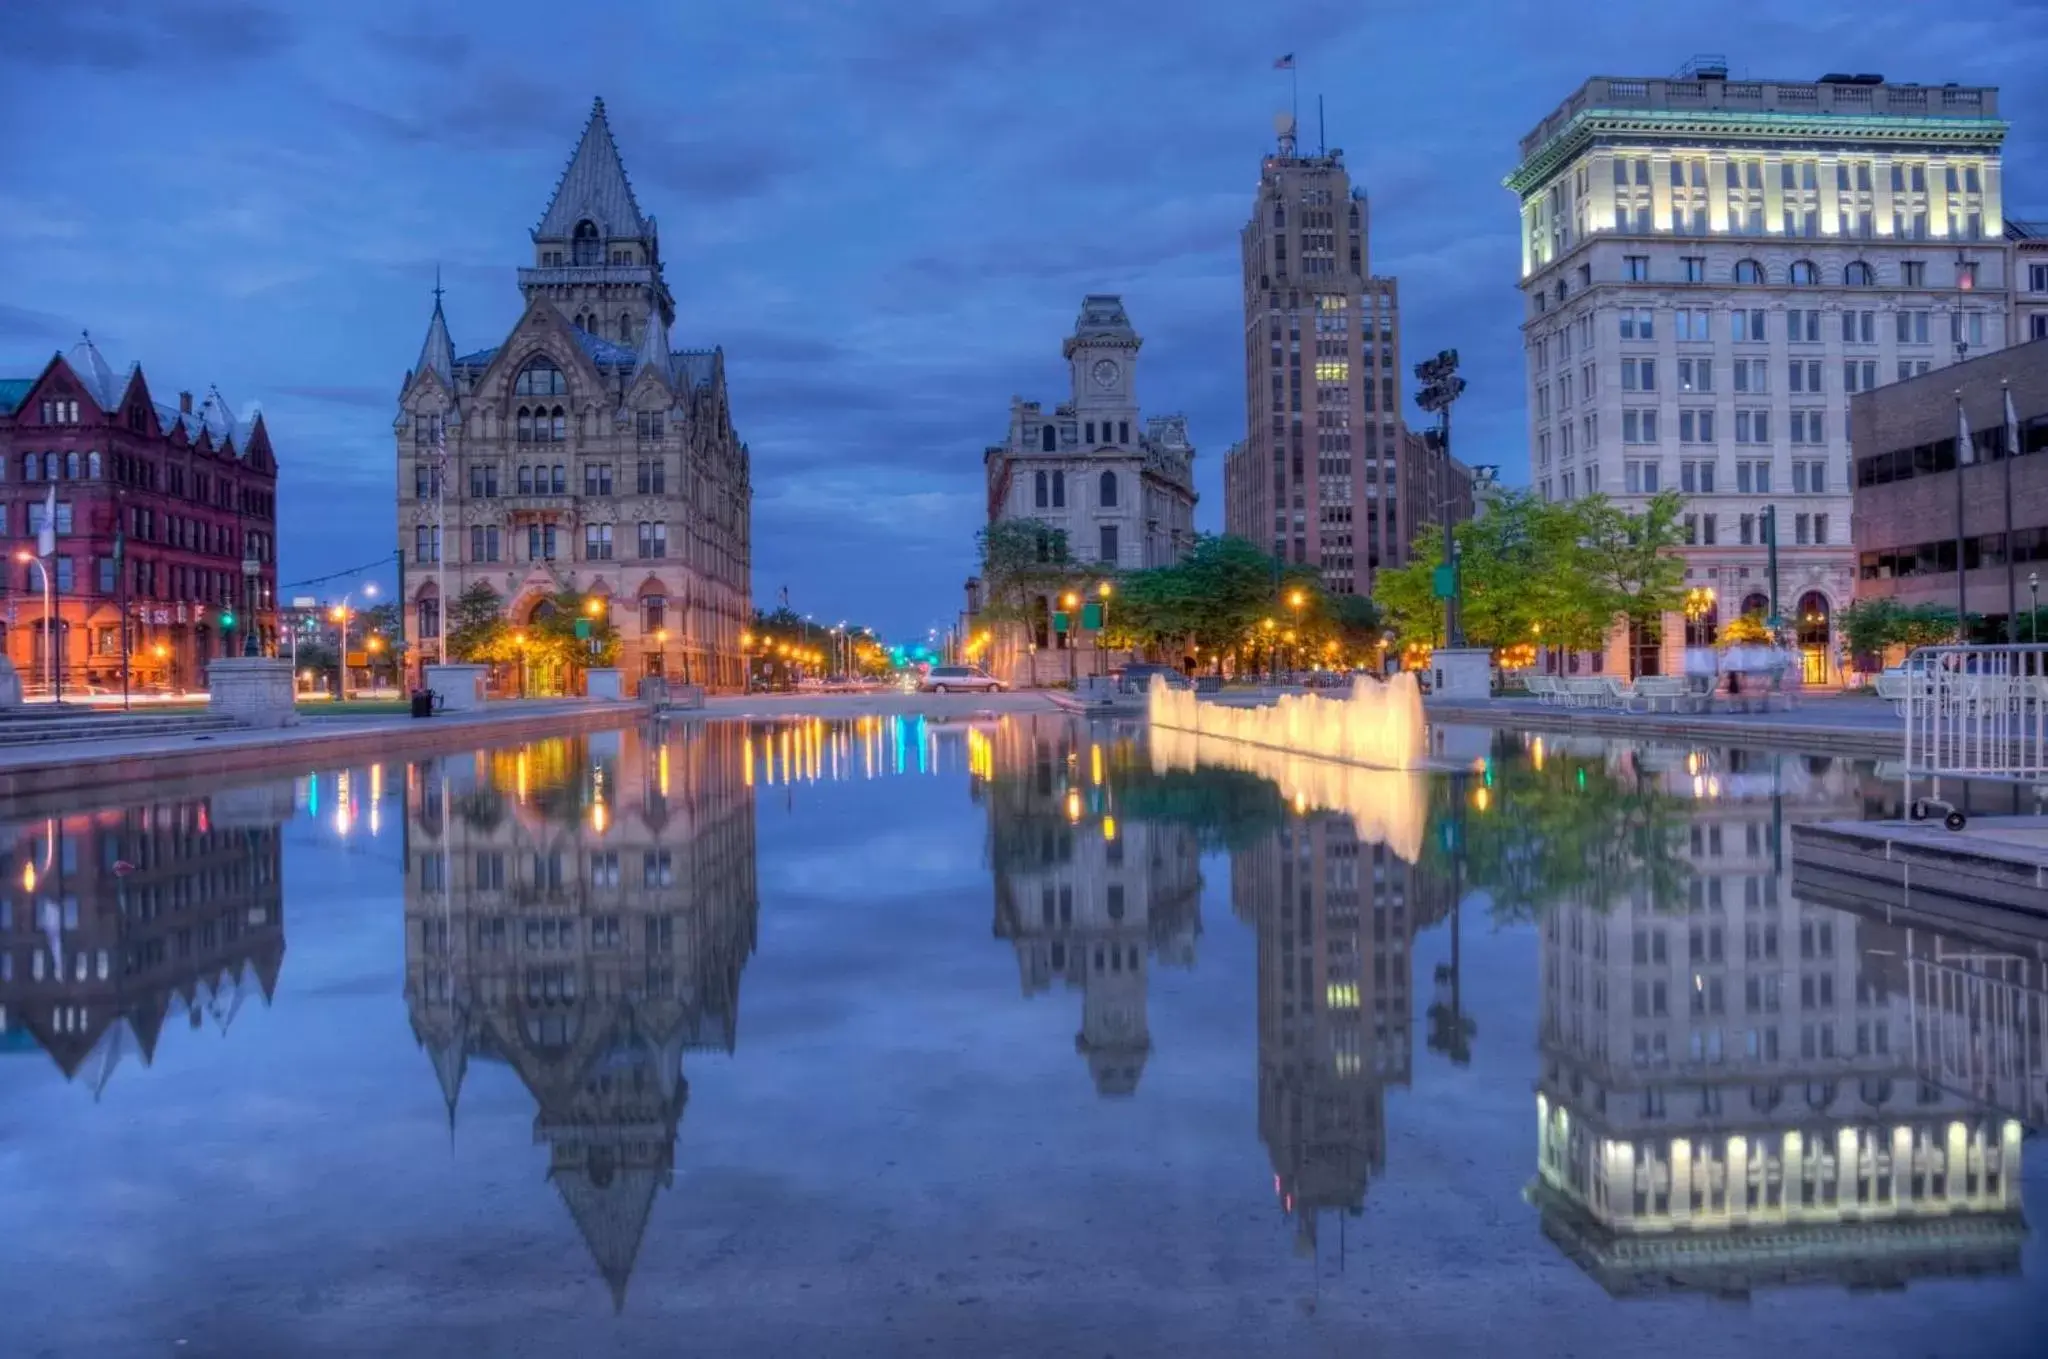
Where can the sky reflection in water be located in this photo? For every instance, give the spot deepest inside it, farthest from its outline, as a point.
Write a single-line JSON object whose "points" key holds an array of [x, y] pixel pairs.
{"points": [[1050, 1043]]}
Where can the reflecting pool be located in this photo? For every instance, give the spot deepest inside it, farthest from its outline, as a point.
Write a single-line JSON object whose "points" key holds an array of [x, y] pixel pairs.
{"points": [[1006, 1036]]}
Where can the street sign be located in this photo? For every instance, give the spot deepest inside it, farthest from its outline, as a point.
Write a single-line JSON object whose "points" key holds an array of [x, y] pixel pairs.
{"points": [[1443, 582], [1059, 620], [1091, 616], [583, 628]]}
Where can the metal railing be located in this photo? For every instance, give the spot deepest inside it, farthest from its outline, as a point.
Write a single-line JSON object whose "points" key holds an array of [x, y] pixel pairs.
{"points": [[1974, 712]]}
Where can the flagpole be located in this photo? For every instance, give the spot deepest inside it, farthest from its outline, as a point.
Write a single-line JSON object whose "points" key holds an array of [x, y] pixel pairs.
{"points": [[2012, 578], [1962, 585]]}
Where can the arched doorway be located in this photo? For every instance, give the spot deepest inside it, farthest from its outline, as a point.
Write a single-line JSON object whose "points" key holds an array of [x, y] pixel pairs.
{"points": [[1814, 629]]}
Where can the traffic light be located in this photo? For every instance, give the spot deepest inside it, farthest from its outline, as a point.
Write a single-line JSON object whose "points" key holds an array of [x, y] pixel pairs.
{"points": [[227, 618]]}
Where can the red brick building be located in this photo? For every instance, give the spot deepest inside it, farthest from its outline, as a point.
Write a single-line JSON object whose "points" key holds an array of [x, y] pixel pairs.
{"points": [[167, 512]]}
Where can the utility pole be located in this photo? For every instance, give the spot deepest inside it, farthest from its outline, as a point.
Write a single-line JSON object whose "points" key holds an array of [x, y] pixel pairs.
{"points": [[1771, 543], [1441, 387]]}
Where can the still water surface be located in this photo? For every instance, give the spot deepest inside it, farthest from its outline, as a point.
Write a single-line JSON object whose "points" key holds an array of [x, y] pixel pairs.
{"points": [[1003, 1037]]}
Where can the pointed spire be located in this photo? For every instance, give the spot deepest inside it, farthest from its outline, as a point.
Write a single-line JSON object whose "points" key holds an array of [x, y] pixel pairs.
{"points": [[95, 372], [594, 188], [438, 352], [654, 349]]}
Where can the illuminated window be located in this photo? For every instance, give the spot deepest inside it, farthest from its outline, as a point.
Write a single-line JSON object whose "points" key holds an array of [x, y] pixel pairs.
{"points": [[1333, 370]]}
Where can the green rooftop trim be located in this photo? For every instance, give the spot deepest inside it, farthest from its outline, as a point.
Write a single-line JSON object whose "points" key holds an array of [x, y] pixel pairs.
{"points": [[1588, 124], [14, 391]]}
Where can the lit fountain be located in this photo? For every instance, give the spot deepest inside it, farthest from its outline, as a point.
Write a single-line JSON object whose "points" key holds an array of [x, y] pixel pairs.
{"points": [[1361, 755]]}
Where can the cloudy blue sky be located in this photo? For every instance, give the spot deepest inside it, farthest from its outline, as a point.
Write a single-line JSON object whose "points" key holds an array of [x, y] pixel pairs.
{"points": [[886, 210]]}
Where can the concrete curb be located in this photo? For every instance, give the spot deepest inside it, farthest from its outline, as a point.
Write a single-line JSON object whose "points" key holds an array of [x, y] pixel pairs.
{"points": [[81, 767], [1765, 735]]}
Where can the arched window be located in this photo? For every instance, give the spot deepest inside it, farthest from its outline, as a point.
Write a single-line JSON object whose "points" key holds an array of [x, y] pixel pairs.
{"points": [[525, 479], [1059, 490], [51, 466], [525, 425], [540, 377], [626, 329], [1804, 274], [92, 466], [560, 480], [1859, 275], [1047, 440], [584, 246], [1041, 491], [559, 426], [1279, 214], [1748, 271], [70, 467], [1108, 490], [30, 465]]}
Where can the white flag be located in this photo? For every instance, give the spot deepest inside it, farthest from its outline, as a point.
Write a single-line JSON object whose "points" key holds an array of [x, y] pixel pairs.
{"points": [[2012, 427], [46, 537], [1965, 454]]}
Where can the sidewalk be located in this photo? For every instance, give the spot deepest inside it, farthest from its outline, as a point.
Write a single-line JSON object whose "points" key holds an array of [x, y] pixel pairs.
{"points": [[147, 763]]}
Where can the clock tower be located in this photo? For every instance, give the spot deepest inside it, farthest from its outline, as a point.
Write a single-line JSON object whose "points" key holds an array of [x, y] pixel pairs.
{"points": [[1102, 359]]}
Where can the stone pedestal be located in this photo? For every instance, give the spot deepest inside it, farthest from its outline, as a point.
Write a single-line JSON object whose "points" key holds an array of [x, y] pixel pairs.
{"points": [[10, 684], [253, 690], [461, 687], [1463, 673], [604, 684]]}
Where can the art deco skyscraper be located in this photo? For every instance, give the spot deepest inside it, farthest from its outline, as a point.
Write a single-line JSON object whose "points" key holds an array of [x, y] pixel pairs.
{"points": [[1316, 480]]}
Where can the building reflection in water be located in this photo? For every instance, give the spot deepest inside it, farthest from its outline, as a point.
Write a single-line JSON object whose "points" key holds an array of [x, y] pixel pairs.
{"points": [[580, 910], [1087, 894], [115, 923], [1735, 1085]]}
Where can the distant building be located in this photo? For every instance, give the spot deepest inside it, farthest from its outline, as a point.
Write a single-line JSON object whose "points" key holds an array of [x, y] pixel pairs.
{"points": [[1711, 269], [1323, 476], [1904, 436], [1120, 488], [582, 453], [167, 513]]}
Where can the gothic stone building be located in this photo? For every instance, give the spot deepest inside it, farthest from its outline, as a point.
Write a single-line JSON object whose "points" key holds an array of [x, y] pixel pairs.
{"points": [[582, 453]]}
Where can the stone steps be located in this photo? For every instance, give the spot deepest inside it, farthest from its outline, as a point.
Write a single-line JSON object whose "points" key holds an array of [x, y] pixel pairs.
{"points": [[42, 726]]}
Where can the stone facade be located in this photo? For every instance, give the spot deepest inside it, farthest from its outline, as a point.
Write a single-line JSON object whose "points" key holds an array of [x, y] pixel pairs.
{"points": [[1711, 268], [1122, 489], [1905, 485], [2029, 280], [582, 453], [1323, 474]]}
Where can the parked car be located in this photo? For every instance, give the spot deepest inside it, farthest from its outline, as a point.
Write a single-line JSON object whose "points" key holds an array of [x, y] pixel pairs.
{"points": [[1138, 678], [948, 679]]}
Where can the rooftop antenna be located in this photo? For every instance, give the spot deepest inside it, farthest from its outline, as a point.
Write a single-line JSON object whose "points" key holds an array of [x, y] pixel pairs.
{"points": [[437, 283], [1322, 146]]}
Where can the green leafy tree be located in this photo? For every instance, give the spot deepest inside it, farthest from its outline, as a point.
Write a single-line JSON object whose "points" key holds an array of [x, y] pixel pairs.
{"points": [[1927, 625], [1022, 560], [1631, 560], [477, 630], [1213, 599]]}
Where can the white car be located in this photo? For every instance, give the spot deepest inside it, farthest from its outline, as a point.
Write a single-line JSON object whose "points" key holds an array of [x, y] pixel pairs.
{"points": [[961, 679]]}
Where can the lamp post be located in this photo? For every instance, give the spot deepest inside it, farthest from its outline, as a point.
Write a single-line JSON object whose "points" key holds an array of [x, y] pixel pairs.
{"points": [[341, 616], [2034, 614], [49, 636], [1102, 592], [1267, 625], [1071, 602], [1441, 388]]}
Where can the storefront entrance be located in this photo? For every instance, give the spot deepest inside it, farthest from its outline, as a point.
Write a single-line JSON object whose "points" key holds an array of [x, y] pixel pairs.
{"points": [[1815, 634]]}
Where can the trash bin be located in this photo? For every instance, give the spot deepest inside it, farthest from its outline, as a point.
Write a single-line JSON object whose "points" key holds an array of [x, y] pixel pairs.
{"points": [[423, 703]]}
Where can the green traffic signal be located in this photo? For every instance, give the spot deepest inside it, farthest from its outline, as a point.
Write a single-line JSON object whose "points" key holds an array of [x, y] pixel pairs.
{"points": [[227, 619]]}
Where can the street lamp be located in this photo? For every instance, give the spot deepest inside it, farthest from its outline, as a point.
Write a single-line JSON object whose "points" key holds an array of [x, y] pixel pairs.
{"points": [[341, 616], [49, 636], [1441, 387]]}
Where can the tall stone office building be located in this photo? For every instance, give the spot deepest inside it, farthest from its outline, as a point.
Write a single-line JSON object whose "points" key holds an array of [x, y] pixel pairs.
{"points": [[583, 452], [1711, 268], [1323, 477]]}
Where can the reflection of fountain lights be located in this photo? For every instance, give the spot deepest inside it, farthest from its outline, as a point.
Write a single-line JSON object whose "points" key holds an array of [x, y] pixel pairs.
{"points": [[342, 819], [1386, 806], [376, 798], [1378, 724], [28, 877], [1095, 765], [661, 768], [1073, 806], [1108, 828]]}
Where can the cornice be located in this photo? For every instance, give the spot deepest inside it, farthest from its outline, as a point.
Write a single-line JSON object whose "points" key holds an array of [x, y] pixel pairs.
{"points": [[1590, 124]]}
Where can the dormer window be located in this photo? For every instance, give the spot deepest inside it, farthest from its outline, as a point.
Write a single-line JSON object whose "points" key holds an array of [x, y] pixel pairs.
{"points": [[584, 245]]}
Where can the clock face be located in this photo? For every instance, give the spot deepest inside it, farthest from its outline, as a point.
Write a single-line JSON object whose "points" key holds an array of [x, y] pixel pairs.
{"points": [[1105, 372]]}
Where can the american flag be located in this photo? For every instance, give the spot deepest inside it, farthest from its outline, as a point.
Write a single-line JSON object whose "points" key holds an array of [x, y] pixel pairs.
{"points": [[1285, 63]]}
